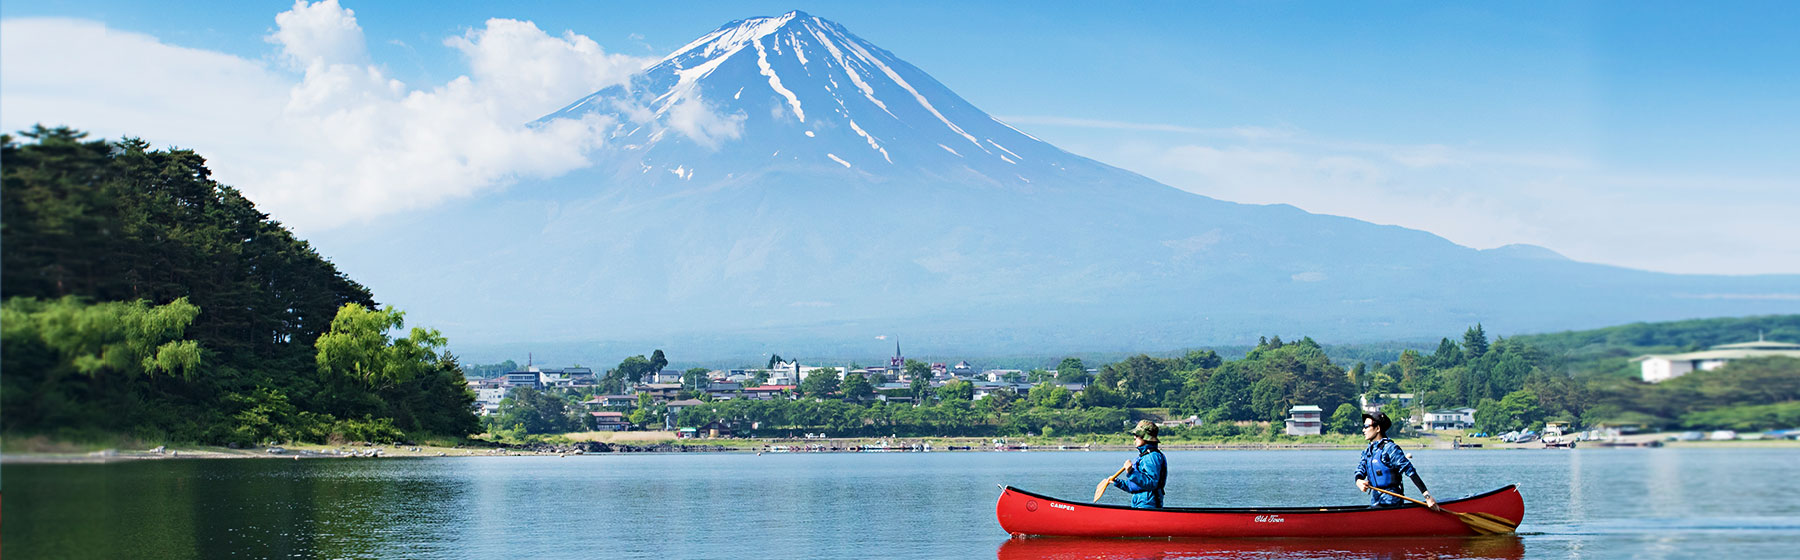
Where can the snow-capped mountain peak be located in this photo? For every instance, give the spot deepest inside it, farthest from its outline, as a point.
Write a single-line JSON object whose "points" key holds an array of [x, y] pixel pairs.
{"points": [[797, 90]]}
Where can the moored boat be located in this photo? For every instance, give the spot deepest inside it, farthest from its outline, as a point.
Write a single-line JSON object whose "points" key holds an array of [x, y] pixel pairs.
{"points": [[1023, 513]]}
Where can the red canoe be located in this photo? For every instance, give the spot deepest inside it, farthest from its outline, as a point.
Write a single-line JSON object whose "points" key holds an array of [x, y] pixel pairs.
{"points": [[1499, 547], [1025, 513]]}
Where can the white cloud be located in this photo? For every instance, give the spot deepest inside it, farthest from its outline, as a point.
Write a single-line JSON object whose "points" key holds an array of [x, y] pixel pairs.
{"points": [[321, 33], [129, 80], [693, 118], [535, 73], [340, 142]]}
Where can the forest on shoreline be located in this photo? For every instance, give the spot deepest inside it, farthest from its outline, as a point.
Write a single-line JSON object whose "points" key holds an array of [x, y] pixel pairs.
{"points": [[143, 299]]}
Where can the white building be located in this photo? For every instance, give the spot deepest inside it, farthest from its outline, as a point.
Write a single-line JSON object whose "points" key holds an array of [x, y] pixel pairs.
{"points": [[490, 394], [1450, 419], [998, 375], [1663, 367], [779, 377], [1303, 420]]}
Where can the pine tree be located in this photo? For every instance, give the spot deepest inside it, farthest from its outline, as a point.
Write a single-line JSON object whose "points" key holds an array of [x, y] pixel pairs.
{"points": [[1475, 341]]}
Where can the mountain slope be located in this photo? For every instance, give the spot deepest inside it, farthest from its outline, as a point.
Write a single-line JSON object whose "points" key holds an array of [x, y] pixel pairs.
{"points": [[781, 181], [806, 94]]}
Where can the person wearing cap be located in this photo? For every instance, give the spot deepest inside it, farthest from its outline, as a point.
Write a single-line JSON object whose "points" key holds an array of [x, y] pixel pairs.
{"points": [[1144, 477], [1383, 462]]}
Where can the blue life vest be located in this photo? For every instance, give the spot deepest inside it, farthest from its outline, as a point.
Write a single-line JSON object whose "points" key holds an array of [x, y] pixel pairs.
{"points": [[1380, 474]]}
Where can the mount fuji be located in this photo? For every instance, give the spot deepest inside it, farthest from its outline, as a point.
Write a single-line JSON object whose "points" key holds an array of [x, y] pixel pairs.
{"points": [[780, 184]]}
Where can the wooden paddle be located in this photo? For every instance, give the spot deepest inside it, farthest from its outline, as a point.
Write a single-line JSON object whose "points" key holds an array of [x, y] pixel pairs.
{"points": [[1482, 523], [1101, 489]]}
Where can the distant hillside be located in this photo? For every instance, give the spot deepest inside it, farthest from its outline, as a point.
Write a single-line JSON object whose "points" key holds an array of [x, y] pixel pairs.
{"points": [[1606, 352]]}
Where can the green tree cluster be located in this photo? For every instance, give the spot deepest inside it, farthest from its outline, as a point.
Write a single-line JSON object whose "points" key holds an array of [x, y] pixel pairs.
{"points": [[527, 411], [820, 382], [162, 263]]}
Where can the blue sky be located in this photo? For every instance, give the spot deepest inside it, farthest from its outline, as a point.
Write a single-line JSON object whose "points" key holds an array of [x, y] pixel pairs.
{"points": [[1650, 135]]}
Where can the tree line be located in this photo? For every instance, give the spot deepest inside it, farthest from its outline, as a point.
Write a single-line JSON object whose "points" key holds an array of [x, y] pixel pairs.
{"points": [[1510, 382]]}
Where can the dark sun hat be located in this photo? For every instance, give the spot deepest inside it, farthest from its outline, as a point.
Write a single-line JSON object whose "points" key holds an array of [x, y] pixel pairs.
{"points": [[1381, 420], [1145, 430]]}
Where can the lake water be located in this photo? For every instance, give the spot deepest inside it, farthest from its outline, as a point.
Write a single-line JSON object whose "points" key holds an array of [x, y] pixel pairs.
{"points": [[1587, 503]]}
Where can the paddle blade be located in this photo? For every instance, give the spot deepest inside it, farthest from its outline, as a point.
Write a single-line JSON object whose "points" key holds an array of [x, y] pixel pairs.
{"points": [[1483, 525], [1496, 519], [1101, 489]]}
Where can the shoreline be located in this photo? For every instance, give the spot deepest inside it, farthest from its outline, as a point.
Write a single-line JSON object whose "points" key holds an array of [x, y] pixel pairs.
{"points": [[652, 444]]}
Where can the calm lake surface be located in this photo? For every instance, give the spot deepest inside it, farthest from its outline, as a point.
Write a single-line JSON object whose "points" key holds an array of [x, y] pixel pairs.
{"points": [[1737, 504]]}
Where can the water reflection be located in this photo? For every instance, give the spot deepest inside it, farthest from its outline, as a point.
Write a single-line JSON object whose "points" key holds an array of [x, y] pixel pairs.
{"points": [[1504, 546], [1588, 503], [217, 509]]}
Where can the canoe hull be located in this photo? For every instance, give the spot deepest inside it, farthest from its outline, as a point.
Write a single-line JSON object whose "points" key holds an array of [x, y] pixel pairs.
{"points": [[1024, 513], [1500, 547]]}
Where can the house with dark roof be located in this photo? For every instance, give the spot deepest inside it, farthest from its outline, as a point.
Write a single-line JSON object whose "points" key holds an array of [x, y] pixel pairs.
{"points": [[610, 421], [659, 391]]}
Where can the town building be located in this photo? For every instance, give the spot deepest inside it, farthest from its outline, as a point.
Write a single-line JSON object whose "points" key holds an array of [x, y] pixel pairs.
{"points": [[1303, 420], [581, 377], [716, 429], [998, 375], [985, 388], [490, 394], [877, 372], [1450, 419], [610, 401], [725, 390], [610, 421], [659, 391], [1657, 368], [898, 362], [767, 392], [529, 377], [675, 408]]}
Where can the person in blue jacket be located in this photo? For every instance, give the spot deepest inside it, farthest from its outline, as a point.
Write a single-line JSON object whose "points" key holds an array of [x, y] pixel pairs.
{"points": [[1144, 478], [1383, 462]]}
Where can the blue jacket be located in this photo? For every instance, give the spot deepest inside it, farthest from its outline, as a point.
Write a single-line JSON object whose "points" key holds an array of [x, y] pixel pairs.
{"points": [[1145, 480], [1382, 464]]}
